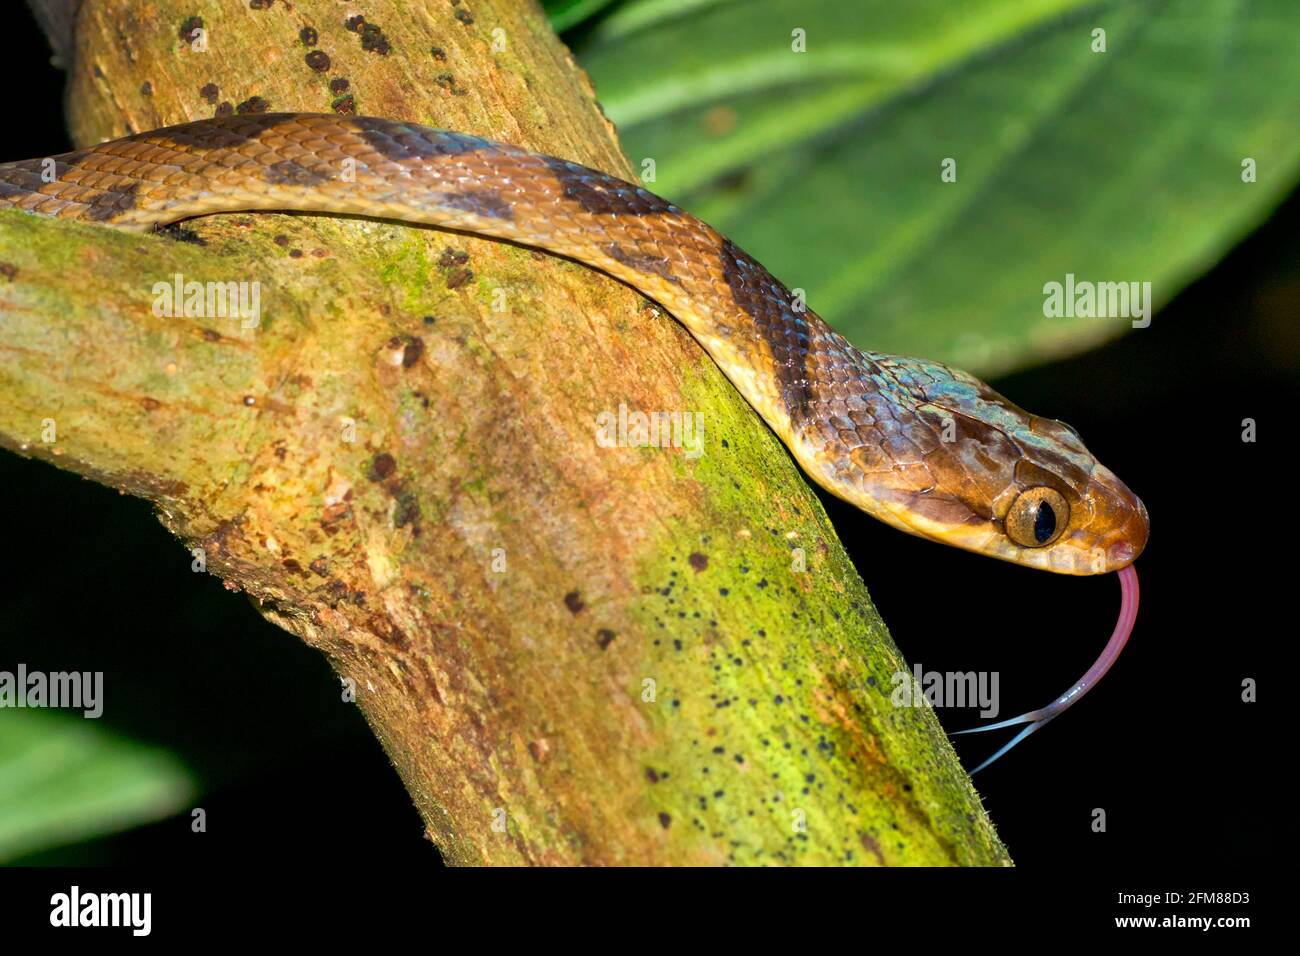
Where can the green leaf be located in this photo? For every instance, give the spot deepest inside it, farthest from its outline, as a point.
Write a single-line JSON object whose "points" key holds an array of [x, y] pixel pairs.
{"points": [[64, 779], [1115, 166], [565, 14]]}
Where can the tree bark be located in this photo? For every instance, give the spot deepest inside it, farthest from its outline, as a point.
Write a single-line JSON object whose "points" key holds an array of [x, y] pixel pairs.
{"points": [[572, 653]]}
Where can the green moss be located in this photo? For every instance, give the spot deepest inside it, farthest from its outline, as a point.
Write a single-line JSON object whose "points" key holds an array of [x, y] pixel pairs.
{"points": [[773, 685]]}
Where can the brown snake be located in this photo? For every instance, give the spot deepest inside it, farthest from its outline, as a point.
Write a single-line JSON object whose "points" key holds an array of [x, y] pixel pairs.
{"points": [[926, 448]]}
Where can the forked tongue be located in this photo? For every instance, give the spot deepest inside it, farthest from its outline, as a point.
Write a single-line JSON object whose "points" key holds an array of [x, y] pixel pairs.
{"points": [[1128, 608]]}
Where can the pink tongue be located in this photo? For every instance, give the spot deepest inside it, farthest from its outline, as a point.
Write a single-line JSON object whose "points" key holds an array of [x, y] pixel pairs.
{"points": [[1128, 609], [1128, 612]]}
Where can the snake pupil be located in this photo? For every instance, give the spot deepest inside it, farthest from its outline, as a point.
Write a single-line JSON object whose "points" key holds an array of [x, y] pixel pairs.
{"points": [[1044, 523]]}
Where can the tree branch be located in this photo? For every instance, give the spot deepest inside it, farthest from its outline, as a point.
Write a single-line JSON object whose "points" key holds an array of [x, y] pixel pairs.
{"points": [[572, 653]]}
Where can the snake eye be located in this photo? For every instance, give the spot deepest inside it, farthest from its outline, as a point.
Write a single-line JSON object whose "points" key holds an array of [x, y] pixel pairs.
{"points": [[1037, 517]]}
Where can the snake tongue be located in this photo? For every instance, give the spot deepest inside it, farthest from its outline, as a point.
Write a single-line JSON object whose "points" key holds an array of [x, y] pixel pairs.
{"points": [[1128, 583]]}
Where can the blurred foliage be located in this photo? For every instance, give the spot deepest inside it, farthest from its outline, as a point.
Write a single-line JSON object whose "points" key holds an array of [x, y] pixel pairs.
{"points": [[1123, 165], [568, 13], [64, 778]]}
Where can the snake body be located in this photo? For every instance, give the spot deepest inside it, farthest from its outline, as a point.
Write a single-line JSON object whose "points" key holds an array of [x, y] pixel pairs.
{"points": [[926, 448]]}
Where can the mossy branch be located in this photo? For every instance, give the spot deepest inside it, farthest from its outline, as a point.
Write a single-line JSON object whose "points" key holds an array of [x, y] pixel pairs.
{"points": [[572, 653]]}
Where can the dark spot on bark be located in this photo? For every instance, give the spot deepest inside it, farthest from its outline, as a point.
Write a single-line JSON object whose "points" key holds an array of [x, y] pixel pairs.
{"points": [[355, 23], [601, 194], [254, 104], [150, 404], [665, 820], [211, 335], [452, 257], [408, 509], [178, 233], [605, 637], [308, 36], [146, 88], [224, 109], [295, 253], [318, 60], [723, 591], [345, 106], [573, 601], [439, 54], [655, 265], [464, 17], [374, 41], [429, 320], [459, 277], [783, 330], [260, 4], [289, 564], [411, 354], [188, 26], [395, 635], [869, 843], [8, 270], [339, 85], [281, 240], [209, 92], [382, 467], [698, 561], [651, 775], [320, 567]]}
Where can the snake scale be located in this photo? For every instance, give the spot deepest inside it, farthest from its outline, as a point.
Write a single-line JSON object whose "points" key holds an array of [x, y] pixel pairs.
{"points": [[928, 449]]}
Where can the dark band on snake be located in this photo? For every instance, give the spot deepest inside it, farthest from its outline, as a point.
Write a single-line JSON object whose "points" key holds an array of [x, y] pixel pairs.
{"points": [[925, 448]]}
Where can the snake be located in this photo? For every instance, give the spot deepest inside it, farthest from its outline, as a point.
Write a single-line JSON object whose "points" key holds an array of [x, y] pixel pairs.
{"points": [[928, 449]]}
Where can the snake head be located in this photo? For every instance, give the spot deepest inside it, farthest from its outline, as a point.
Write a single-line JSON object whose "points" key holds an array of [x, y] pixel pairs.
{"points": [[947, 458], [1080, 520]]}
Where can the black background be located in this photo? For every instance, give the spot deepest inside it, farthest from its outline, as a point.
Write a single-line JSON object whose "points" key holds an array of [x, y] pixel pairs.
{"points": [[1186, 772]]}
